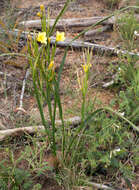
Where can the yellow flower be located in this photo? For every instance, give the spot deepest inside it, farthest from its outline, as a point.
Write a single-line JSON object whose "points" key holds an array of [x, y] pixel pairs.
{"points": [[42, 37], [42, 8], [60, 36], [86, 67], [39, 14], [51, 65]]}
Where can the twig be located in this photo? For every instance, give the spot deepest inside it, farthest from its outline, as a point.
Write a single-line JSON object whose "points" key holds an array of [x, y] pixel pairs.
{"points": [[106, 85], [20, 108], [23, 88], [101, 186]]}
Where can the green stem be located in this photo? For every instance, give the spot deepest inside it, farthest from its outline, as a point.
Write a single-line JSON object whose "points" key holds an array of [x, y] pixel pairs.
{"points": [[53, 123], [59, 16], [83, 124], [48, 99], [61, 116], [34, 77], [53, 127], [83, 110], [46, 125]]}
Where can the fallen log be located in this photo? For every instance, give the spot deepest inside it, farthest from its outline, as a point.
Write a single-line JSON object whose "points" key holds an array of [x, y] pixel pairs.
{"points": [[72, 23], [5, 134], [96, 48], [79, 45]]}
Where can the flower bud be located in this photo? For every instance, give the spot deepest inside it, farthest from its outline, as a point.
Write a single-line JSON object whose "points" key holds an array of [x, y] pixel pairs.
{"points": [[39, 14], [42, 8]]}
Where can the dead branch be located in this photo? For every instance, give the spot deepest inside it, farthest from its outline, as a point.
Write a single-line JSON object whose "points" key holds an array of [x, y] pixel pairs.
{"points": [[23, 88], [5, 134], [20, 108], [72, 23], [64, 23], [79, 45], [100, 49]]}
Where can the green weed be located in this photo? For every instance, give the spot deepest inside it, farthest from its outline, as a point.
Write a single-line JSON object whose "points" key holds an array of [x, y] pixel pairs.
{"points": [[125, 26], [35, 157], [11, 176], [127, 80]]}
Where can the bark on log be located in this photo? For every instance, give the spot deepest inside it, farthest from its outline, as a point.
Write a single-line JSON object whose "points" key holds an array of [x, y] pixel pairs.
{"points": [[78, 23]]}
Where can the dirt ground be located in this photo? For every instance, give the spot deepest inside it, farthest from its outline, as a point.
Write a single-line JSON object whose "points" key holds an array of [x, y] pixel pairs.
{"points": [[13, 73]]}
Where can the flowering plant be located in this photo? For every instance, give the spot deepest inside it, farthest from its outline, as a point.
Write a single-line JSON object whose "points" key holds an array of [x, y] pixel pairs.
{"points": [[43, 74]]}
